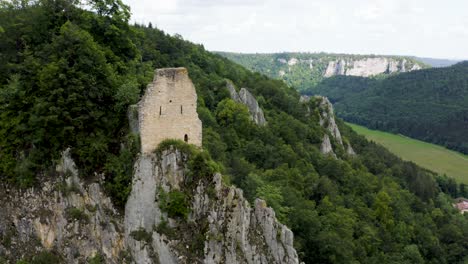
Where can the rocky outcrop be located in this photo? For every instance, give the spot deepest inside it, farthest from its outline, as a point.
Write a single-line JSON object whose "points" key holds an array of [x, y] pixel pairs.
{"points": [[327, 121], [368, 66], [246, 98], [327, 118], [63, 215], [78, 222], [335, 68], [326, 146], [220, 228]]}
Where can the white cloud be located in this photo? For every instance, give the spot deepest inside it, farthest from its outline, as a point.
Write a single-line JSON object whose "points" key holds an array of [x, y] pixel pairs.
{"points": [[408, 27]]}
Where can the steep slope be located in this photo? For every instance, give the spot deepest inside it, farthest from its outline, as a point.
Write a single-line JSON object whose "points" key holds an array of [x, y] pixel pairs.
{"points": [[69, 79], [431, 104], [305, 70]]}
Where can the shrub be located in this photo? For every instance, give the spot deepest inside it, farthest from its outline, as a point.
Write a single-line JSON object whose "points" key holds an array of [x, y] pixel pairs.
{"points": [[141, 235], [74, 214], [174, 203], [175, 143]]}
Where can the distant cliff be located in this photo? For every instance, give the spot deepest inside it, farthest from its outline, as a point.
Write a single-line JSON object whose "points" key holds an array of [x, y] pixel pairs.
{"points": [[305, 70]]}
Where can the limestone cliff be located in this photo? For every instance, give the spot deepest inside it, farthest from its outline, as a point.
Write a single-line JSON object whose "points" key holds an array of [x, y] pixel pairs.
{"points": [[246, 98], [220, 228], [74, 220], [366, 67], [77, 222], [327, 121]]}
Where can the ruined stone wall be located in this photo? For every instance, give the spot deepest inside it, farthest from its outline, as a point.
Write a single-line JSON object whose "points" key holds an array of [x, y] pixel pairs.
{"points": [[168, 110]]}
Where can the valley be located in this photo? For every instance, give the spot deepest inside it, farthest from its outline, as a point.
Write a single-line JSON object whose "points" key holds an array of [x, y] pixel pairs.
{"points": [[426, 155]]}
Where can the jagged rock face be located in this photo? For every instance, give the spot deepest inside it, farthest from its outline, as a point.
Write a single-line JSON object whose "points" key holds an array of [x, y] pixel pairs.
{"points": [[228, 229], [78, 221], [256, 112], [327, 118], [367, 67], [327, 121], [232, 91], [246, 98], [63, 215], [335, 68], [350, 150], [326, 146]]}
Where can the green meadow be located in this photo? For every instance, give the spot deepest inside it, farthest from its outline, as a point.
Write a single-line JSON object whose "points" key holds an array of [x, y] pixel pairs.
{"points": [[427, 155]]}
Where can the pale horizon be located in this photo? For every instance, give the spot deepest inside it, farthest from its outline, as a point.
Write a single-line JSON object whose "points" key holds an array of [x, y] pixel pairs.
{"points": [[421, 28]]}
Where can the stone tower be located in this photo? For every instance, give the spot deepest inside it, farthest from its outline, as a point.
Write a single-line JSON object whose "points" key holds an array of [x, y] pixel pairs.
{"points": [[168, 110]]}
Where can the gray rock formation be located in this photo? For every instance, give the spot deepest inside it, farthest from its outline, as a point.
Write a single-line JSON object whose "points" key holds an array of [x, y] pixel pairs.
{"points": [[350, 150], [226, 228], [327, 121], [327, 118], [368, 66], [78, 221], [335, 68], [232, 91], [326, 147], [246, 98]]}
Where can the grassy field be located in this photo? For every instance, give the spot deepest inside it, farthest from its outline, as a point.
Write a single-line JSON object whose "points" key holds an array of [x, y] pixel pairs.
{"points": [[430, 156]]}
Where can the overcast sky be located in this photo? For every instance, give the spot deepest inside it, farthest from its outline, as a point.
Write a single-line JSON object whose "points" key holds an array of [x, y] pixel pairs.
{"points": [[430, 28]]}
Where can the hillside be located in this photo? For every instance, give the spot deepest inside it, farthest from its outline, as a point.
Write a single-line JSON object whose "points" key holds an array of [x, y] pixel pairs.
{"points": [[76, 187], [437, 62], [430, 105], [305, 70], [427, 155]]}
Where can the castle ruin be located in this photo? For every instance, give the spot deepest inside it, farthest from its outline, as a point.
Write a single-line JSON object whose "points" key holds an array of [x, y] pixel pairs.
{"points": [[168, 110]]}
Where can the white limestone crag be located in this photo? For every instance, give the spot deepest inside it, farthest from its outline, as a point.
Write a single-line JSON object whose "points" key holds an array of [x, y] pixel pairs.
{"points": [[327, 121], [326, 147], [63, 214], [227, 228], [366, 67], [246, 98]]}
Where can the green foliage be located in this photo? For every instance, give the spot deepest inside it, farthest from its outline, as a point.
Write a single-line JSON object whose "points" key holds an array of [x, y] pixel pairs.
{"points": [[164, 228], [141, 235], [76, 214], [175, 203], [167, 144], [202, 166], [43, 257], [120, 169], [97, 259]]}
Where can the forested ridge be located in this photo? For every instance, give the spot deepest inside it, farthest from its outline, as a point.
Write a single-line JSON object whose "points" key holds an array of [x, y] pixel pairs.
{"points": [[430, 104], [303, 70], [68, 75]]}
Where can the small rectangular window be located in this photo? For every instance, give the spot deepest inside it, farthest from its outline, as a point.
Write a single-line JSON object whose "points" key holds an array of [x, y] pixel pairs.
{"points": [[160, 110], [181, 111]]}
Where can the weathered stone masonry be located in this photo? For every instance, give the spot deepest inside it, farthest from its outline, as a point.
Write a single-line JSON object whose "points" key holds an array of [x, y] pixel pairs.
{"points": [[169, 110]]}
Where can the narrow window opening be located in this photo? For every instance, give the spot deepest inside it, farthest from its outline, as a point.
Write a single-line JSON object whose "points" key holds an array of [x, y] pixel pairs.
{"points": [[160, 110], [186, 138], [181, 110]]}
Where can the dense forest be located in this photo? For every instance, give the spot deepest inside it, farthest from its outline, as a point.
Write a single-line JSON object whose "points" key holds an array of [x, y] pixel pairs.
{"points": [[68, 75], [303, 70], [430, 104]]}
